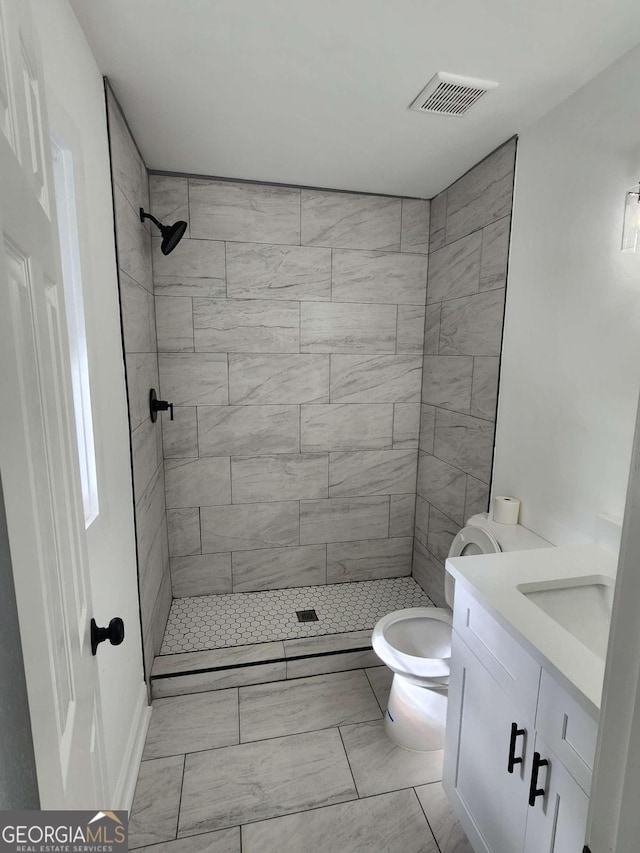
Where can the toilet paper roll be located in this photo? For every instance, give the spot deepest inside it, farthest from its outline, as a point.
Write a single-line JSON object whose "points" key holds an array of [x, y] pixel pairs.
{"points": [[506, 510]]}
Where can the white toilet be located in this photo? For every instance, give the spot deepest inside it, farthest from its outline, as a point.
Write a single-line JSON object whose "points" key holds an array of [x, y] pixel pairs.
{"points": [[416, 643]]}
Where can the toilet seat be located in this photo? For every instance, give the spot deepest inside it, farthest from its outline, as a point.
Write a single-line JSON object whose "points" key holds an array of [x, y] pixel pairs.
{"points": [[398, 638], [471, 536]]}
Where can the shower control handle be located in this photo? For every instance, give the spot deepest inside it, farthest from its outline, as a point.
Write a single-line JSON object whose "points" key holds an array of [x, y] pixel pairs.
{"points": [[515, 733], [156, 406]]}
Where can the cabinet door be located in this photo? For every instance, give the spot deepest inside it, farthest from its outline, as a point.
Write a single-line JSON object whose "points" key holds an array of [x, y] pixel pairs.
{"points": [[557, 822], [490, 800]]}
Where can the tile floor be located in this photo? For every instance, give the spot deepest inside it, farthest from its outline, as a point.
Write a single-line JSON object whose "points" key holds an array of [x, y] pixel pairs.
{"points": [[285, 767], [221, 621]]}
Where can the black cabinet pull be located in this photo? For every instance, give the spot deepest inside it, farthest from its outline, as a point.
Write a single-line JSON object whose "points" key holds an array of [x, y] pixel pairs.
{"points": [[534, 791], [515, 733]]}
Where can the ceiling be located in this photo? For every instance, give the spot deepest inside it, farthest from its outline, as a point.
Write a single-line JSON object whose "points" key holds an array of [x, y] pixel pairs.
{"points": [[315, 92]]}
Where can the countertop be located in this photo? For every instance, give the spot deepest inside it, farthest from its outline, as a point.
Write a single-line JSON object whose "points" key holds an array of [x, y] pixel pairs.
{"points": [[493, 579]]}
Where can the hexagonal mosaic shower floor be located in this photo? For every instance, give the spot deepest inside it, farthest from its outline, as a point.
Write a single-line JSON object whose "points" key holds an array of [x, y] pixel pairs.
{"points": [[243, 618]]}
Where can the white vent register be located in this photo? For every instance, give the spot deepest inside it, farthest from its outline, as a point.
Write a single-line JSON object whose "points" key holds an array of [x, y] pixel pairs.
{"points": [[450, 94]]}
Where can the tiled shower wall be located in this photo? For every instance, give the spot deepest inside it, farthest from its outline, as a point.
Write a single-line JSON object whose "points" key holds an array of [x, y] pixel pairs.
{"points": [[130, 189], [468, 251], [290, 332]]}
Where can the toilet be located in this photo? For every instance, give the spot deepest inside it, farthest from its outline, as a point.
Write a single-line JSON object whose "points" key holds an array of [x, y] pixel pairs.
{"points": [[416, 643]]}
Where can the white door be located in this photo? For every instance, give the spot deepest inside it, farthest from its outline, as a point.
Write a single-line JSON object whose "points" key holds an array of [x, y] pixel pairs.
{"points": [[38, 456]]}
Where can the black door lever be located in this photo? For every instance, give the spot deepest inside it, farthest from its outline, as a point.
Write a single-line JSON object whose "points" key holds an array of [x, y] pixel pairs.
{"points": [[156, 406]]}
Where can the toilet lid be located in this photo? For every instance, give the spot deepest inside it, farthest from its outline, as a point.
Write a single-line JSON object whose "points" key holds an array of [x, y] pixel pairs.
{"points": [[473, 540]]}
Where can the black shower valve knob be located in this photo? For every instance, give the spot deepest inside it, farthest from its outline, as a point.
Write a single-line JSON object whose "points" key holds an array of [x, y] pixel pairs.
{"points": [[156, 406]]}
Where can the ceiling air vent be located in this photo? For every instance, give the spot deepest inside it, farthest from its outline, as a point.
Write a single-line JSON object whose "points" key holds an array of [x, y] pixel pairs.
{"points": [[450, 94]]}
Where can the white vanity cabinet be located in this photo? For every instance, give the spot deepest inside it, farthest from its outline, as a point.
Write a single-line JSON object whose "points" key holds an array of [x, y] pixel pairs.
{"points": [[512, 792]]}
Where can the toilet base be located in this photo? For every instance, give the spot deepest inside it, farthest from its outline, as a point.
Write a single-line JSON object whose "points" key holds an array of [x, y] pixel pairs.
{"points": [[416, 716]]}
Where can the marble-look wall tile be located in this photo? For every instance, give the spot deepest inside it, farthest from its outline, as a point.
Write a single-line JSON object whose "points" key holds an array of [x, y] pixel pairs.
{"points": [[369, 560], [258, 213], [128, 170], [443, 486], [402, 514], [406, 426], [477, 498], [184, 531], [495, 254], [345, 426], [442, 531], [465, 442], [281, 379], [151, 576], [350, 221], [345, 328], [134, 242], [149, 511], [169, 199], [189, 379], [174, 322], [230, 325], [180, 435], [454, 270], [197, 482], [375, 379], [438, 224], [287, 476], [146, 455], [203, 574], [427, 428], [432, 329], [246, 527], [379, 277], [194, 268], [138, 319], [261, 271], [415, 225], [422, 521], [446, 381], [248, 430], [483, 195], [278, 568], [344, 519], [372, 472], [473, 325], [410, 330], [428, 573], [484, 395]]}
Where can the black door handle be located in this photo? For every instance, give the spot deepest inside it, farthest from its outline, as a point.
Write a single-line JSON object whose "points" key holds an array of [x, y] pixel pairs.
{"points": [[515, 733], [156, 406], [534, 791], [114, 633]]}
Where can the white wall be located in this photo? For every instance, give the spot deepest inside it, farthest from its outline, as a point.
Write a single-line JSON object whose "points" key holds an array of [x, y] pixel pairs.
{"points": [[76, 108], [571, 356]]}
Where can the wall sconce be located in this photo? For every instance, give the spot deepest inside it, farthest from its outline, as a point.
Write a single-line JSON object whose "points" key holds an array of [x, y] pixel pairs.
{"points": [[631, 228]]}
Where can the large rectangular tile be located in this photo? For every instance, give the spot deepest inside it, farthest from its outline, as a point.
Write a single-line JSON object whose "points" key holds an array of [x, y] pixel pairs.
{"points": [[134, 242], [197, 482], [442, 485], [287, 775], [324, 643], [375, 379], [201, 574], [150, 510], [446, 381], [255, 325], [372, 472], [223, 210], [194, 268], [262, 379], [244, 430], [442, 531], [169, 198], [180, 435], [432, 329], [224, 841], [406, 426], [401, 514], [473, 325], [218, 679], [152, 574], [495, 254], [340, 327], [393, 823], [344, 426], [287, 476], [245, 527], [454, 270], [234, 656], [154, 813], [183, 527], [350, 221], [174, 323], [142, 374], [410, 329], [378, 765], [365, 561], [189, 379], [380, 679], [477, 497], [465, 442], [324, 664], [427, 428], [343, 519], [421, 532], [138, 317], [127, 167], [379, 277], [278, 568], [260, 271], [442, 820], [484, 393], [415, 225], [183, 723], [306, 704], [146, 455], [428, 573], [438, 222]]}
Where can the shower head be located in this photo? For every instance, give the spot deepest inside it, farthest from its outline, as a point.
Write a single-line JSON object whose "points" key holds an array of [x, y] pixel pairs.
{"points": [[171, 234]]}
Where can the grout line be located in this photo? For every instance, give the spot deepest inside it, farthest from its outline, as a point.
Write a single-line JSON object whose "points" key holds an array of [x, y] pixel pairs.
{"points": [[184, 764], [425, 814], [346, 755]]}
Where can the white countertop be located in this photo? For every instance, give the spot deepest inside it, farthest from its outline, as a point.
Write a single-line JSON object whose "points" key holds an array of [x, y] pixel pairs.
{"points": [[493, 580]]}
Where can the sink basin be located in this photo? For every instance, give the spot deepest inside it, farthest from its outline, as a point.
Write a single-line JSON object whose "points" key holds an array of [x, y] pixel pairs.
{"points": [[581, 606]]}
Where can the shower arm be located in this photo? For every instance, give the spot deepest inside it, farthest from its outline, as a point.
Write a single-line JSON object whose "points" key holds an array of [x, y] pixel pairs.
{"points": [[144, 215]]}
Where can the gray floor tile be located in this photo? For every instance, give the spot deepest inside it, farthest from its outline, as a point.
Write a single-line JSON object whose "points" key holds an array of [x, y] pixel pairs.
{"points": [[190, 723], [225, 841], [380, 678], [305, 704], [392, 823], [154, 814], [378, 765], [254, 781], [329, 643], [330, 663], [222, 679], [448, 832]]}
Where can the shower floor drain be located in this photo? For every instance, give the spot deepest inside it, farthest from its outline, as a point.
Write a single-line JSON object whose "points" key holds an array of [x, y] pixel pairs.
{"points": [[307, 615]]}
